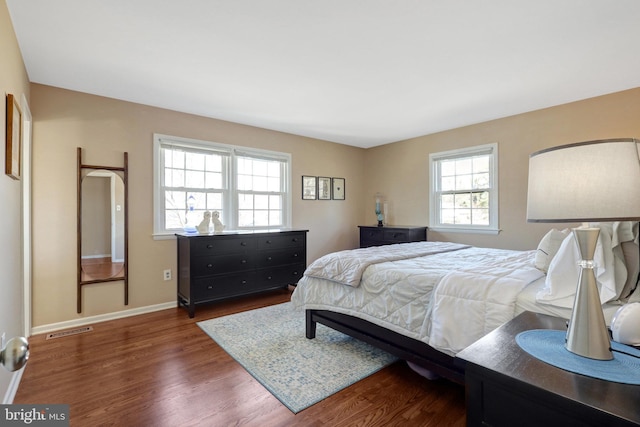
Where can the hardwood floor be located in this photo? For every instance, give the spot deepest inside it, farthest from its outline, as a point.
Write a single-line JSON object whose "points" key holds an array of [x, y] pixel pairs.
{"points": [[160, 369]]}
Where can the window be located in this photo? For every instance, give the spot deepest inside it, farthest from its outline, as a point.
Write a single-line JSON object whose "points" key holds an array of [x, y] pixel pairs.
{"points": [[249, 188], [464, 189]]}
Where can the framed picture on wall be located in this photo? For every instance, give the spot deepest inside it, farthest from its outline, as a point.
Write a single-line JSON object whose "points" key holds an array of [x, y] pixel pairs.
{"points": [[309, 187], [337, 189], [324, 188], [13, 138]]}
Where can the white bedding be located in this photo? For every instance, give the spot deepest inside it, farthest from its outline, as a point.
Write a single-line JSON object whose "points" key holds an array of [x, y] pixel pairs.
{"points": [[398, 294]]}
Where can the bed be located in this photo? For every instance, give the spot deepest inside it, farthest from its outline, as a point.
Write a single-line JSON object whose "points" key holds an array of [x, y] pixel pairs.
{"points": [[426, 301]]}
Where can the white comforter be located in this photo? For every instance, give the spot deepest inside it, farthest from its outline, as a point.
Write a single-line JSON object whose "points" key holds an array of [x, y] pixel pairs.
{"points": [[398, 294]]}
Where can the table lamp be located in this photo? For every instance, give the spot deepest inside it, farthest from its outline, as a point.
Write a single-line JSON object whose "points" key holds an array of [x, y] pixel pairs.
{"points": [[588, 181]]}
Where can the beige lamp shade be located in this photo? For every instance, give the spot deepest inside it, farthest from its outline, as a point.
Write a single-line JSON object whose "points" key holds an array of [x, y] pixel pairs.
{"points": [[586, 181]]}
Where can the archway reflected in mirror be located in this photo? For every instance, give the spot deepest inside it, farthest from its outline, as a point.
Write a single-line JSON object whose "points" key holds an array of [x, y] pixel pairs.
{"points": [[103, 226]]}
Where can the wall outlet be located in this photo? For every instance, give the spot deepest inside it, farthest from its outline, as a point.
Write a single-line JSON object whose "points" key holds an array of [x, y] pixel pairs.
{"points": [[167, 275]]}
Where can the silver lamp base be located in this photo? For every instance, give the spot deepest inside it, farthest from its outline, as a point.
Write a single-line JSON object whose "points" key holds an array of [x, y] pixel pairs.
{"points": [[587, 334]]}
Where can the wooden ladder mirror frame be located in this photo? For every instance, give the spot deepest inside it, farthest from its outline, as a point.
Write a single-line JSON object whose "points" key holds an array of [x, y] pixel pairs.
{"points": [[125, 271]]}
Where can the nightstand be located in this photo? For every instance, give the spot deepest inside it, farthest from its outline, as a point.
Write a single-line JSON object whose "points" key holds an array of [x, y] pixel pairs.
{"points": [[505, 386], [372, 235]]}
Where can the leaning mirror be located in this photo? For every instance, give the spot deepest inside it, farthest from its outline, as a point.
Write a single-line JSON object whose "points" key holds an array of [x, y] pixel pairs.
{"points": [[102, 225]]}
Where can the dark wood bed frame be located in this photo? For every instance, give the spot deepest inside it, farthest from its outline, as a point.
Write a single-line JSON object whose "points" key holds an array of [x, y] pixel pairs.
{"points": [[405, 348]]}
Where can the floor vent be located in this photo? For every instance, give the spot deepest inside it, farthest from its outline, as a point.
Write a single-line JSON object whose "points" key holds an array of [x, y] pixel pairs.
{"points": [[69, 332]]}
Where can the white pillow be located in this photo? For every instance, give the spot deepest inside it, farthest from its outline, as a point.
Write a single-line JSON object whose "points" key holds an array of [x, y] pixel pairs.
{"points": [[611, 272], [549, 246]]}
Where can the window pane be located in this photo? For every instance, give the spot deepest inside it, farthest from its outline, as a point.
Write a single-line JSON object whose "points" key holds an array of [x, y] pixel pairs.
{"points": [[464, 166], [481, 164], [213, 180], [463, 182], [245, 218], [261, 202], [275, 217], [447, 216], [480, 216], [448, 168], [194, 179], [446, 202], [463, 216], [194, 161], [261, 218], [448, 183], [245, 201], [462, 200], [481, 180]]}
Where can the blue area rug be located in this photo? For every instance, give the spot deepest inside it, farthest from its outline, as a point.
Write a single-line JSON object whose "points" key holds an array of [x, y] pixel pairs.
{"points": [[270, 344]]}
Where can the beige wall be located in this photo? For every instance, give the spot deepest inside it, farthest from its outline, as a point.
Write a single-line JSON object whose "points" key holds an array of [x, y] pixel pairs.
{"points": [[64, 120], [105, 128], [13, 80], [400, 171]]}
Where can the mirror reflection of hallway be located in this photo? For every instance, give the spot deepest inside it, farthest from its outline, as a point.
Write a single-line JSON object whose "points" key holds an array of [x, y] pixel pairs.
{"points": [[102, 226]]}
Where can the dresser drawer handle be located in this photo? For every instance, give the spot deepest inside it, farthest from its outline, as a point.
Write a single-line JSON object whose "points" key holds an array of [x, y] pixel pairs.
{"points": [[268, 242], [268, 277], [295, 240], [209, 246], [244, 282], [295, 273], [243, 243], [396, 235], [209, 265], [295, 255], [244, 261], [210, 287], [269, 258]]}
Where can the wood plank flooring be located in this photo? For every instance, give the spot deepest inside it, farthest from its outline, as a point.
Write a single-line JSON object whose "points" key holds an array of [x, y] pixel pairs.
{"points": [[160, 369]]}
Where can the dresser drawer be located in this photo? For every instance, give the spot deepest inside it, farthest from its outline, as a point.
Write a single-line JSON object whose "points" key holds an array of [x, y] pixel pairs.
{"points": [[278, 276], [279, 241], [205, 246], [216, 287], [205, 266], [280, 257], [395, 236], [371, 234]]}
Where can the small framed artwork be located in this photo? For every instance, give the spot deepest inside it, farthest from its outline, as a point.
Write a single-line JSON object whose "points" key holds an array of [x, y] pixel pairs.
{"points": [[337, 188], [309, 187], [14, 136], [324, 188]]}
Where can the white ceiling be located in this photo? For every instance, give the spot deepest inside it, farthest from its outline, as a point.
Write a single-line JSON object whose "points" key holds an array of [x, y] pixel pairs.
{"points": [[356, 72]]}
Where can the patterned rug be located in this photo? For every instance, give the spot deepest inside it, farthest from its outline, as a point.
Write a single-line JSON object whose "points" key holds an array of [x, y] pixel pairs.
{"points": [[270, 344]]}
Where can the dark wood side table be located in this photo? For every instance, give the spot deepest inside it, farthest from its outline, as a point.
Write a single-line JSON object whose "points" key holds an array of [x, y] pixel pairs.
{"points": [[505, 386], [372, 235]]}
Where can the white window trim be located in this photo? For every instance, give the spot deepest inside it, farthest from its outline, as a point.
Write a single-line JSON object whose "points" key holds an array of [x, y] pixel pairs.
{"points": [[160, 234], [434, 202]]}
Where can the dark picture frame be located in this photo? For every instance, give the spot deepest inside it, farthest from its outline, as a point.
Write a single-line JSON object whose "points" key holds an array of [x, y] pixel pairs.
{"points": [[309, 187], [13, 138], [324, 188], [337, 188]]}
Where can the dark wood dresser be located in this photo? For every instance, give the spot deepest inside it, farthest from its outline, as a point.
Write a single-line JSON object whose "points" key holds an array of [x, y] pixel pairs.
{"points": [[506, 386], [372, 235], [218, 266]]}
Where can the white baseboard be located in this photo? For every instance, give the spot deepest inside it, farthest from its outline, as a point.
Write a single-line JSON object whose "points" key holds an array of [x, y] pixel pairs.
{"points": [[13, 387], [101, 318]]}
